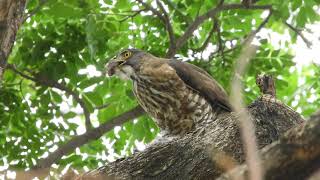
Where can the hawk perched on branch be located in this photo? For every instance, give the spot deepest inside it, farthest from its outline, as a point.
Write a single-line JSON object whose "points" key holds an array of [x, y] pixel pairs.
{"points": [[178, 95]]}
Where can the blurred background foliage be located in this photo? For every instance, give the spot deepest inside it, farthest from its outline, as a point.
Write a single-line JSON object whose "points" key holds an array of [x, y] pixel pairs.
{"points": [[70, 41]]}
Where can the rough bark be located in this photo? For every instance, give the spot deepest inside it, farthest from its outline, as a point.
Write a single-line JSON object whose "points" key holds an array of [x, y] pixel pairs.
{"points": [[296, 155], [11, 16], [207, 155]]}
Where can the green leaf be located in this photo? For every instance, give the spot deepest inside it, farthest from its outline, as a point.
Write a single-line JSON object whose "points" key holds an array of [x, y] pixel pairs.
{"points": [[94, 97]]}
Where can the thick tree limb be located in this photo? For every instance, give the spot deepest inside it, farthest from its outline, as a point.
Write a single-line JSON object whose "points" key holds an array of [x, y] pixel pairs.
{"points": [[193, 157], [204, 156], [11, 14], [90, 135], [295, 156], [50, 83]]}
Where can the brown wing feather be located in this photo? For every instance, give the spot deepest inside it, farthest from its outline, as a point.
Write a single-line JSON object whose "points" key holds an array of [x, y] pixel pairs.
{"points": [[202, 82]]}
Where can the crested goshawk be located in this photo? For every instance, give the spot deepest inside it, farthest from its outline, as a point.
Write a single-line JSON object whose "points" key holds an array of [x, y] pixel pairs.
{"points": [[177, 95]]}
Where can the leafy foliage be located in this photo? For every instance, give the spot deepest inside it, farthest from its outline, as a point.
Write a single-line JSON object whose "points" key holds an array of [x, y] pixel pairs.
{"points": [[69, 42]]}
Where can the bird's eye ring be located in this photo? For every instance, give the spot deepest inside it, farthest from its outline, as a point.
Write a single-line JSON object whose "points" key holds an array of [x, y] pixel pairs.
{"points": [[126, 54]]}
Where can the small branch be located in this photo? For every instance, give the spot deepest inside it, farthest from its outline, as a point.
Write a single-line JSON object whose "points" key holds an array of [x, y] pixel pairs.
{"points": [[153, 10], [246, 125], [175, 8], [35, 10], [90, 135], [245, 121], [206, 42], [48, 82], [252, 34], [211, 13], [132, 15], [306, 41], [164, 18], [168, 25], [102, 106], [220, 42]]}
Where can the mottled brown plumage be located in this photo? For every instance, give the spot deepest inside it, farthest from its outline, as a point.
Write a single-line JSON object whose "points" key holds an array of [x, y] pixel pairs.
{"points": [[178, 95]]}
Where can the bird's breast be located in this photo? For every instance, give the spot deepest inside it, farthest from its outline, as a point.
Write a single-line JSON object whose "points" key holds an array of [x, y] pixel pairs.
{"points": [[174, 106]]}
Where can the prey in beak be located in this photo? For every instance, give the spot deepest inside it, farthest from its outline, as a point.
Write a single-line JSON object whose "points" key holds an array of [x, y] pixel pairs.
{"points": [[119, 68]]}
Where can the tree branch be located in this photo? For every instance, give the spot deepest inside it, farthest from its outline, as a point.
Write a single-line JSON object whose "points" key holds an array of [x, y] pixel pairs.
{"points": [[102, 106], [164, 18], [132, 15], [295, 156], [48, 82], [247, 131], [168, 26], [206, 42], [90, 135], [11, 13], [211, 13], [306, 41]]}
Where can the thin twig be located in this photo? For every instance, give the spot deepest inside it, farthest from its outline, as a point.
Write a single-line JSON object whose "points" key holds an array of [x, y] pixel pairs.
{"points": [[173, 6], [132, 15], [206, 42], [306, 41], [164, 18], [246, 126], [211, 13], [252, 33], [220, 42], [168, 25], [102, 106], [48, 82]]}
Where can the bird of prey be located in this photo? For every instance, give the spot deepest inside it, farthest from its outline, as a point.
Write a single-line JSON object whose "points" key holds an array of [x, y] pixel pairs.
{"points": [[177, 95]]}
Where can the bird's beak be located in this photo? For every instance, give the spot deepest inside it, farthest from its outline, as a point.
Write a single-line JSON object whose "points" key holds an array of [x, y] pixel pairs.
{"points": [[112, 65]]}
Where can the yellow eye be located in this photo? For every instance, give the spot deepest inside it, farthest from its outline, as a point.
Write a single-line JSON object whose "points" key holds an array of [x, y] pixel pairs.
{"points": [[126, 54]]}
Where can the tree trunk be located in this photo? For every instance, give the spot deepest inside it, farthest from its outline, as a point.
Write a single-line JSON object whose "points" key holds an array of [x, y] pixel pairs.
{"points": [[218, 149], [11, 16]]}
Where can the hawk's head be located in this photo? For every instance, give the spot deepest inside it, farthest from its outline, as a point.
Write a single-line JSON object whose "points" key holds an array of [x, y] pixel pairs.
{"points": [[126, 63]]}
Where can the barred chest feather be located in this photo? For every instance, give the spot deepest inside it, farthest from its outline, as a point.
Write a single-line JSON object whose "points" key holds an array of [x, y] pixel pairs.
{"points": [[175, 107]]}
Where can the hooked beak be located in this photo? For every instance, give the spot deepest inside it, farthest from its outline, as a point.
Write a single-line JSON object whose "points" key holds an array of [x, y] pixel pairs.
{"points": [[112, 65]]}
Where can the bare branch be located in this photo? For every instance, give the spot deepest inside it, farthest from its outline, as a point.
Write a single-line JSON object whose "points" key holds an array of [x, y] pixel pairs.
{"points": [[132, 15], [220, 42], [206, 42], [246, 126], [252, 33], [308, 43], [164, 18], [90, 135], [48, 82], [176, 9], [211, 13], [168, 26]]}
